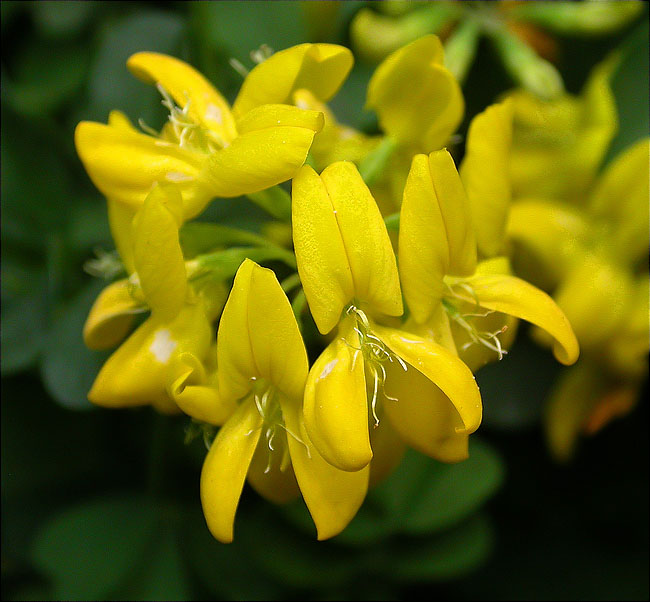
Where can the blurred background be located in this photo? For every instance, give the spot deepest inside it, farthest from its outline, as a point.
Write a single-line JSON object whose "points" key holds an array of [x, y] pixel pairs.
{"points": [[100, 504]]}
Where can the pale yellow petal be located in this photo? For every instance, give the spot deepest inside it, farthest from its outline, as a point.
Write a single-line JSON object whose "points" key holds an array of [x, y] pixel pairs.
{"points": [[320, 68], [136, 373], [335, 403], [485, 176], [423, 247], [225, 468], [516, 297], [443, 368], [257, 160], [423, 415], [323, 265], [195, 392], [157, 253], [124, 165], [186, 86], [417, 100], [120, 221], [367, 244], [332, 496], [111, 316], [388, 449]]}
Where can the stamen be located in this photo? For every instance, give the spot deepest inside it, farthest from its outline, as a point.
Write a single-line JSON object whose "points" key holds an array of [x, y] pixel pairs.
{"points": [[237, 66]]}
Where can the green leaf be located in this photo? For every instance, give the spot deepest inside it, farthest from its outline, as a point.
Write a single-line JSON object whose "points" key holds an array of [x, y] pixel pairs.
{"points": [[453, 491], [447, 556], [630, 87], [68, 368], [200, 237], [89, 549], [423, 495], [24, 308], [223, 264], [62, 19]]}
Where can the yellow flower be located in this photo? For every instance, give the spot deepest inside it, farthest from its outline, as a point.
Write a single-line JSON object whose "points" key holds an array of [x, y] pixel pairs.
{"points": [[206, 148], [349, 275], [438, 269], [136, 373], [558, 145], [593, 258], [262, 367]]}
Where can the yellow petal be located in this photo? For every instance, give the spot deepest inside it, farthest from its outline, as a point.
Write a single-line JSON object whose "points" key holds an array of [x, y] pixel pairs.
{"points": [[277, 115], [485, 176], [441, 367], [269, 477], [595, 297], [388, 449], [455, 213], [332, 496], [322, 261], [335, 403], [257, 160], [620, 199], [549, 238], [157, 251], [225, 468], [120, 220], [320, 68], [423, 247], [186, 85], [111, 316], [423, 415], [367, 244], [124, 165], [276, 342], [518, 298], [136, 373], [195, 392], [568, 407], [416, 98], [259, 337]]}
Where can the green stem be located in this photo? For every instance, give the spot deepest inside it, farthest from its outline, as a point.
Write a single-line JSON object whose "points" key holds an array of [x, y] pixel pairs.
{"points": [[274, 200]]}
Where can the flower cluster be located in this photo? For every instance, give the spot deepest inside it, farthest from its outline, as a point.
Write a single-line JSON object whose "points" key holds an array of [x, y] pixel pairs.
{"points": [[408, 296]]}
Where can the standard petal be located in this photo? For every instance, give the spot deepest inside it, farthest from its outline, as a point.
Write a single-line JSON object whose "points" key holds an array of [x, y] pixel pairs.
{"points": [[367, 244], [322, 260], [157, 253], [332, 496], [423, 415], [124, 165], [319, 68], [257, 160], [112, 315], [455, 213], [423, 248], [136, 373], [195, 392], [335, 403], [516, 297], [186, 86], [416, 99], [276, 342], [485, 176], [225, 468], [441, 367]]}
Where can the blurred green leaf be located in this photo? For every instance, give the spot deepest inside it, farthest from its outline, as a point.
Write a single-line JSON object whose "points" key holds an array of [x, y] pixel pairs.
{"points": [[89, 549], [630, 87], [111, 86], [423, 495], [446, 556], [201, 237], [63, 19], [46, 76], [68, 368], [24, 306]]}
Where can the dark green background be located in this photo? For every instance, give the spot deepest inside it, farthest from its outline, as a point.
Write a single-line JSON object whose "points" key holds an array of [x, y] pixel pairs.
{"points": [[101, 504]]}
